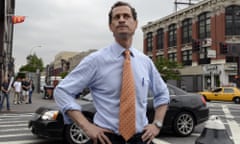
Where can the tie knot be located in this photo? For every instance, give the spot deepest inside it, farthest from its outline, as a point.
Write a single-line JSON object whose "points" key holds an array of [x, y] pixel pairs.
{"points": [[127, 54]]}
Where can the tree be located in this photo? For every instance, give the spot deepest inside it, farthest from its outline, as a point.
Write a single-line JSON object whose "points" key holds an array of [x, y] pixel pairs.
{"points": [[33, 63], [169, 70]]}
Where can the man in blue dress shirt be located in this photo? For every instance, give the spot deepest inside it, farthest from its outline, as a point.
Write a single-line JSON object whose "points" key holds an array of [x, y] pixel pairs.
{"points": [[101, 72]]}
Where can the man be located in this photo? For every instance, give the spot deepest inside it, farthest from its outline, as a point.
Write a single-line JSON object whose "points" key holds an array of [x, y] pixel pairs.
{"points": [[25, 89], [102, 73], [17, 91], [5, 94]]}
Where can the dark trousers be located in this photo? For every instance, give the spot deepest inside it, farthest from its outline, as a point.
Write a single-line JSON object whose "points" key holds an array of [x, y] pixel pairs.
{"points": [[5, 95], [117, 139]]}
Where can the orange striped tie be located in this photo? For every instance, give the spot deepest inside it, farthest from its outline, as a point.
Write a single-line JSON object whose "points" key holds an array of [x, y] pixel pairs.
{"points": [[127, 116]]}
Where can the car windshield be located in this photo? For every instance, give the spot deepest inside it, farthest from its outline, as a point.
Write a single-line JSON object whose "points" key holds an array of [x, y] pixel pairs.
{"points": [[173, 90]]}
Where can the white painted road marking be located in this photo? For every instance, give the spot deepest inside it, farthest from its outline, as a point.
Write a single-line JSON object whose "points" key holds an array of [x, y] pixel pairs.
{"points": [[233, 125]]}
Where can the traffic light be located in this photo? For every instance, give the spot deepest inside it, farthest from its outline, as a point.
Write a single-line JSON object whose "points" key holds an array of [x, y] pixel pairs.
{"points": [[196, 44], [223, 48]]}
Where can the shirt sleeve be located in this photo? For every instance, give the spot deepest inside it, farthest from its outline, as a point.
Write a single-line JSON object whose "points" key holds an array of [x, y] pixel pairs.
{"points": [[158, 88], [67, 90]]}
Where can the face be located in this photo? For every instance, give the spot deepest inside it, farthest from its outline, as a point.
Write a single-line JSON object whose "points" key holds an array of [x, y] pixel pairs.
{"points": [[123, 24]]}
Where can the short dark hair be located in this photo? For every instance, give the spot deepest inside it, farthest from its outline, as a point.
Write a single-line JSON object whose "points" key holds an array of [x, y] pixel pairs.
{"points": [[121, 3]]}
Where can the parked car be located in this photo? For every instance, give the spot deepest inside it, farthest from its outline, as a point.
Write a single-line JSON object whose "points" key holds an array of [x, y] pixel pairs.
{"points": [[222, 94], [185, 111]]}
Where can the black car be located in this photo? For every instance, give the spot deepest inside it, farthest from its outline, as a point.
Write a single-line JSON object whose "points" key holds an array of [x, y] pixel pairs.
{"points": [[185, 111]]}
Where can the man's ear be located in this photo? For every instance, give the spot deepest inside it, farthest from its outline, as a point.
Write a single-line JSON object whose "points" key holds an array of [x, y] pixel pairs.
{"points": [[110, 27]]}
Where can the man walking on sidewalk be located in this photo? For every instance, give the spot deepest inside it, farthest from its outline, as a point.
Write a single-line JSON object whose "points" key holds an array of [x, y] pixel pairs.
{"points": [[5, 94]]}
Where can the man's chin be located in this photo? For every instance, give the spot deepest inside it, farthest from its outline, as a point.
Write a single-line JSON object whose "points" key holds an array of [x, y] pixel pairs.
{"points": [[123, 35]]}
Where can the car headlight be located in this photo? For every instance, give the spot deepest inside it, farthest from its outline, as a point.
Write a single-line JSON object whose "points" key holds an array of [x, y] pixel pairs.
{"points": [[50, 115]]}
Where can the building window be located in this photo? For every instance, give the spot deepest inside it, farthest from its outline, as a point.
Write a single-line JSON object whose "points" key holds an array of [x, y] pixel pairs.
{"points": [[187, 57], [160, 39], [186, 31], [204, 22], [172, 35], [149, 42], [232, 20], [172, 57], [160, 57], [203, 57]]}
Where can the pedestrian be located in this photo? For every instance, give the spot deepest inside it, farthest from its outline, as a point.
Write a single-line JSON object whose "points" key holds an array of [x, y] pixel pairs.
{"points": [[5, 94], [17, 85], [114, 74], [31, 89], [25, 90]]}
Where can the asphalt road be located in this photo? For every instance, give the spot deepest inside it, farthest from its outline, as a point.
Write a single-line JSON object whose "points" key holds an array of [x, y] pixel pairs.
{"points": [[227, 111]]}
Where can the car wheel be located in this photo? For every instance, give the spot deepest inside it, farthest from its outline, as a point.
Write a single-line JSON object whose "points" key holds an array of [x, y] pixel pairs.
{"points": [[184, 124], [237, 100], [75, 135]]}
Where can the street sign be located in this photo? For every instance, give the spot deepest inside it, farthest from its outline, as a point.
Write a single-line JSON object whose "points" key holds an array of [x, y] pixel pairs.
{"points": [[211, 53]]}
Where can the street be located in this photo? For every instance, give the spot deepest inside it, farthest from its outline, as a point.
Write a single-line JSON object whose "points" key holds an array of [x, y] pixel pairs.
{"points": [[14, 125]]}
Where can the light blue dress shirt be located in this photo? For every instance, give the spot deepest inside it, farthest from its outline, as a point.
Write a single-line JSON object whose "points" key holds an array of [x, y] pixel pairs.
{"points": [[101, 71]]}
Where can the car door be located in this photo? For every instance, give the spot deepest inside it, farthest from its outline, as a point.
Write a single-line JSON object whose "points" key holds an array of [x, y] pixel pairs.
{"points": [[216, 93], [227, 94]]}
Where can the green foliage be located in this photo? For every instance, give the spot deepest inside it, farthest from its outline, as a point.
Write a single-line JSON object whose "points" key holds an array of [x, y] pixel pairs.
{"points": [[33, 63], [169, 70], [63, 74]]}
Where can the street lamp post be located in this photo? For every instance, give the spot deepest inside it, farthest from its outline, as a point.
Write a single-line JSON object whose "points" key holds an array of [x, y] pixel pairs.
{"points": [[37, 73], [33, 48]]}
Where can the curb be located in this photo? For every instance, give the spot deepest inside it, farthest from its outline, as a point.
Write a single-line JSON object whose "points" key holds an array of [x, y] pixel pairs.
{"points": [[157, 141]]}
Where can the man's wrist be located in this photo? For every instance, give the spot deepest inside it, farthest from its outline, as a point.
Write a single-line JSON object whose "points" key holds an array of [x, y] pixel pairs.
{"points": [[158, 124]]}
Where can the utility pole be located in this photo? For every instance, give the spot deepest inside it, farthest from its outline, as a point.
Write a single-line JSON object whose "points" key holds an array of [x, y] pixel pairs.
{"points": [[184, 2]]}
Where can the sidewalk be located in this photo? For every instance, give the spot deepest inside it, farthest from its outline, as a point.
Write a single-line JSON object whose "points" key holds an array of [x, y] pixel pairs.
{"points": [[37, 101]]}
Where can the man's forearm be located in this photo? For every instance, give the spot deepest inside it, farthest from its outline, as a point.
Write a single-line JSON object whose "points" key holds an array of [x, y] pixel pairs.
{"points": [[78, 118], [160, 112]]}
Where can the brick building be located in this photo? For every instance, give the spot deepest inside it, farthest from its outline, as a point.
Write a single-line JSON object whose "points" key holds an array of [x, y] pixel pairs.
{"points": [[209, 23]]}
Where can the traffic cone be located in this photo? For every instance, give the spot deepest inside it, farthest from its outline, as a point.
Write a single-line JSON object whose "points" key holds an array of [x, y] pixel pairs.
{"points": [[214, 132]]}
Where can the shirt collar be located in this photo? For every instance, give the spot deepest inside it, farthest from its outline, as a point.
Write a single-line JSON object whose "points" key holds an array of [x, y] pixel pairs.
{"points": [[118, 50]]}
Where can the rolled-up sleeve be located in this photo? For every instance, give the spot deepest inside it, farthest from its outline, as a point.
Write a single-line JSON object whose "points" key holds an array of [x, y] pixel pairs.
{"points": [[66, 91], [159, 88]]}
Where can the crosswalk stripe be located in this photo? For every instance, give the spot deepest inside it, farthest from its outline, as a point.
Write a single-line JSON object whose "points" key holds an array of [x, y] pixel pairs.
{"points": [[23, 141], [15, 125], [16, 135], [14, 129], [10, 122], [10, 116], [233, 125]]}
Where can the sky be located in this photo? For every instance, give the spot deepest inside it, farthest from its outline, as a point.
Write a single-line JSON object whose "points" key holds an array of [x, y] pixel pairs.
{"points": [[53, 26]]}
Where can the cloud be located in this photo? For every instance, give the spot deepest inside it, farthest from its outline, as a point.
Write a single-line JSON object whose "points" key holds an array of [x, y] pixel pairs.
{"points": [[73, 25]]}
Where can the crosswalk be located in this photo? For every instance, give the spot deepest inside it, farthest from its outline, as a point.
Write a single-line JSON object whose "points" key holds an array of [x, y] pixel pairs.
{"points": [[14, 129], [14, 126], [229, 114]]}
